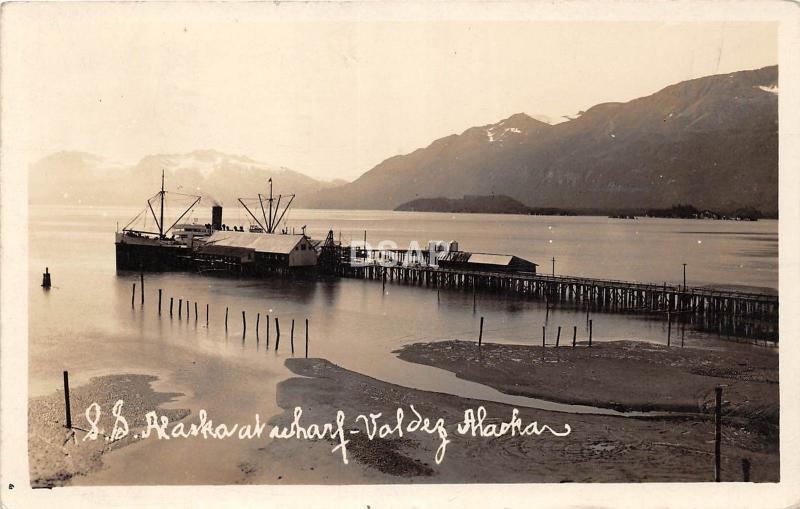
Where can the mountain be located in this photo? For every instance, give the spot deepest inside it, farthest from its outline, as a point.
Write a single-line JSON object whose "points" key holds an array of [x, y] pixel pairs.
{"points": [[710, 142], [78, 177]]}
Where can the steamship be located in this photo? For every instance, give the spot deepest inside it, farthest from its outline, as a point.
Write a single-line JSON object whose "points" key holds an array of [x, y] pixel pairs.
{"points": [[215, 246]]}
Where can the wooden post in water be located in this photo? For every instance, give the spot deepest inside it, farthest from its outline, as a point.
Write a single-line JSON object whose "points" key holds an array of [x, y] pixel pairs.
{"points": [[291, 337], [133, 294], [159, 302], [574, 335], [558, 336], [306, 338], [277, 333], [258, 320], [683, 331], [669, 328], [480, 334], [206, 314], [266, 341], [226, 318], [141, 276], [46, 282], [544, 328], [244, 324], [180, 308], [717, 434], [474, 297], [66, 400], [170, 306], [590, 332], [195, 311]]}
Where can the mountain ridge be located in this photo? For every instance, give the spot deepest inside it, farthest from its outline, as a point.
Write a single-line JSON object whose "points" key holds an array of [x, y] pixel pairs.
{"points": [[711, 142], [647, 152], [81, 177]]}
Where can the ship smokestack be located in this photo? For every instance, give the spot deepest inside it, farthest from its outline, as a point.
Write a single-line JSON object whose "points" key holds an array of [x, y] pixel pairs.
{"points": [[216, 217]]}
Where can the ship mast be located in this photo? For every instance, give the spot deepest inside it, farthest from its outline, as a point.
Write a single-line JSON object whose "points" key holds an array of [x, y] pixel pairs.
{"points": [[161, 223], [269, 223], [273, 218], [162, 232]]}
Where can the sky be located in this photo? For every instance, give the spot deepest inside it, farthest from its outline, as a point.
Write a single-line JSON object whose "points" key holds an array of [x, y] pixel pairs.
{"points": [[330, 99]]}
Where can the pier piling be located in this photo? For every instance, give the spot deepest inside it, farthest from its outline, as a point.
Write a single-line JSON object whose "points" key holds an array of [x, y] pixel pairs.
{"points": [[306, 338], [277, 333], [480, 333], [717, 434], [266, 341], [141, 277], [195, 311], [291, 337], [244, 324], [669, 328], [258, 320], [170, 306], [558, 336], [226, 318], [590, 332], [159, 302], [713, 307], [474, 297], [66, 400], [574, 335], [206, 315], [133, 294], [180, 309], [544, 328]]}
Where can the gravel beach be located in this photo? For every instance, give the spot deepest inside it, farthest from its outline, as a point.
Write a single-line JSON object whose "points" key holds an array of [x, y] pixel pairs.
{"points": [[674, 445], [58, 455], [599, 448]]}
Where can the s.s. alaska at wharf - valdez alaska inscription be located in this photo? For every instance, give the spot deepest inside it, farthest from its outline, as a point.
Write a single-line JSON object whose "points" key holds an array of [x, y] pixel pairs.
{"points": [[373, 425]]}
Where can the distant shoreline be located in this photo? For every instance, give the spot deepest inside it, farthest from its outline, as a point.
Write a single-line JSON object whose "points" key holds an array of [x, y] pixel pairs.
{"points": [[502, 204], [564, 213]]}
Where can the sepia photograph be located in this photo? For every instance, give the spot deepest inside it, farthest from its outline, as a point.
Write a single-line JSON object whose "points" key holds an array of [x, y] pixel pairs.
{"points": [[337, 244]]}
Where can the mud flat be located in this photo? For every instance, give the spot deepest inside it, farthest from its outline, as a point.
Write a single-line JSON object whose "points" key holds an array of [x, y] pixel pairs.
{"points": [[57, 455], [600, 448], [621, 375]]}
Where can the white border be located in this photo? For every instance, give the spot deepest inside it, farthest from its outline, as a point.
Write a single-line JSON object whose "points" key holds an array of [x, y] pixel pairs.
{"points": [[14, 284]]}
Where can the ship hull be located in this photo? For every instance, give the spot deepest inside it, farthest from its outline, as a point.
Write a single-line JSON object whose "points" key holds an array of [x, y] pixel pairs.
{"points": [[150, 254]]}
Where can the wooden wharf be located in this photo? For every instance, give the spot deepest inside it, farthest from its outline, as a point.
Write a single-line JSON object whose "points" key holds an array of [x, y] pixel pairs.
{"points": [[596, 294]]}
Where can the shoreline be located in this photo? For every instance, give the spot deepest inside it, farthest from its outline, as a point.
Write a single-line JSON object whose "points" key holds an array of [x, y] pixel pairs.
{"points": [[57, 455], [599, 448]]}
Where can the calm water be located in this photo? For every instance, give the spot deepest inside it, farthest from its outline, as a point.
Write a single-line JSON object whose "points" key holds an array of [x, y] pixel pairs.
{"points": [[87, 317]]}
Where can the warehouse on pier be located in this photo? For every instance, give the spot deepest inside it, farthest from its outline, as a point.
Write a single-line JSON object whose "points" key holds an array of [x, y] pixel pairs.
{"points": [[486, 262], [258, 252]]}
